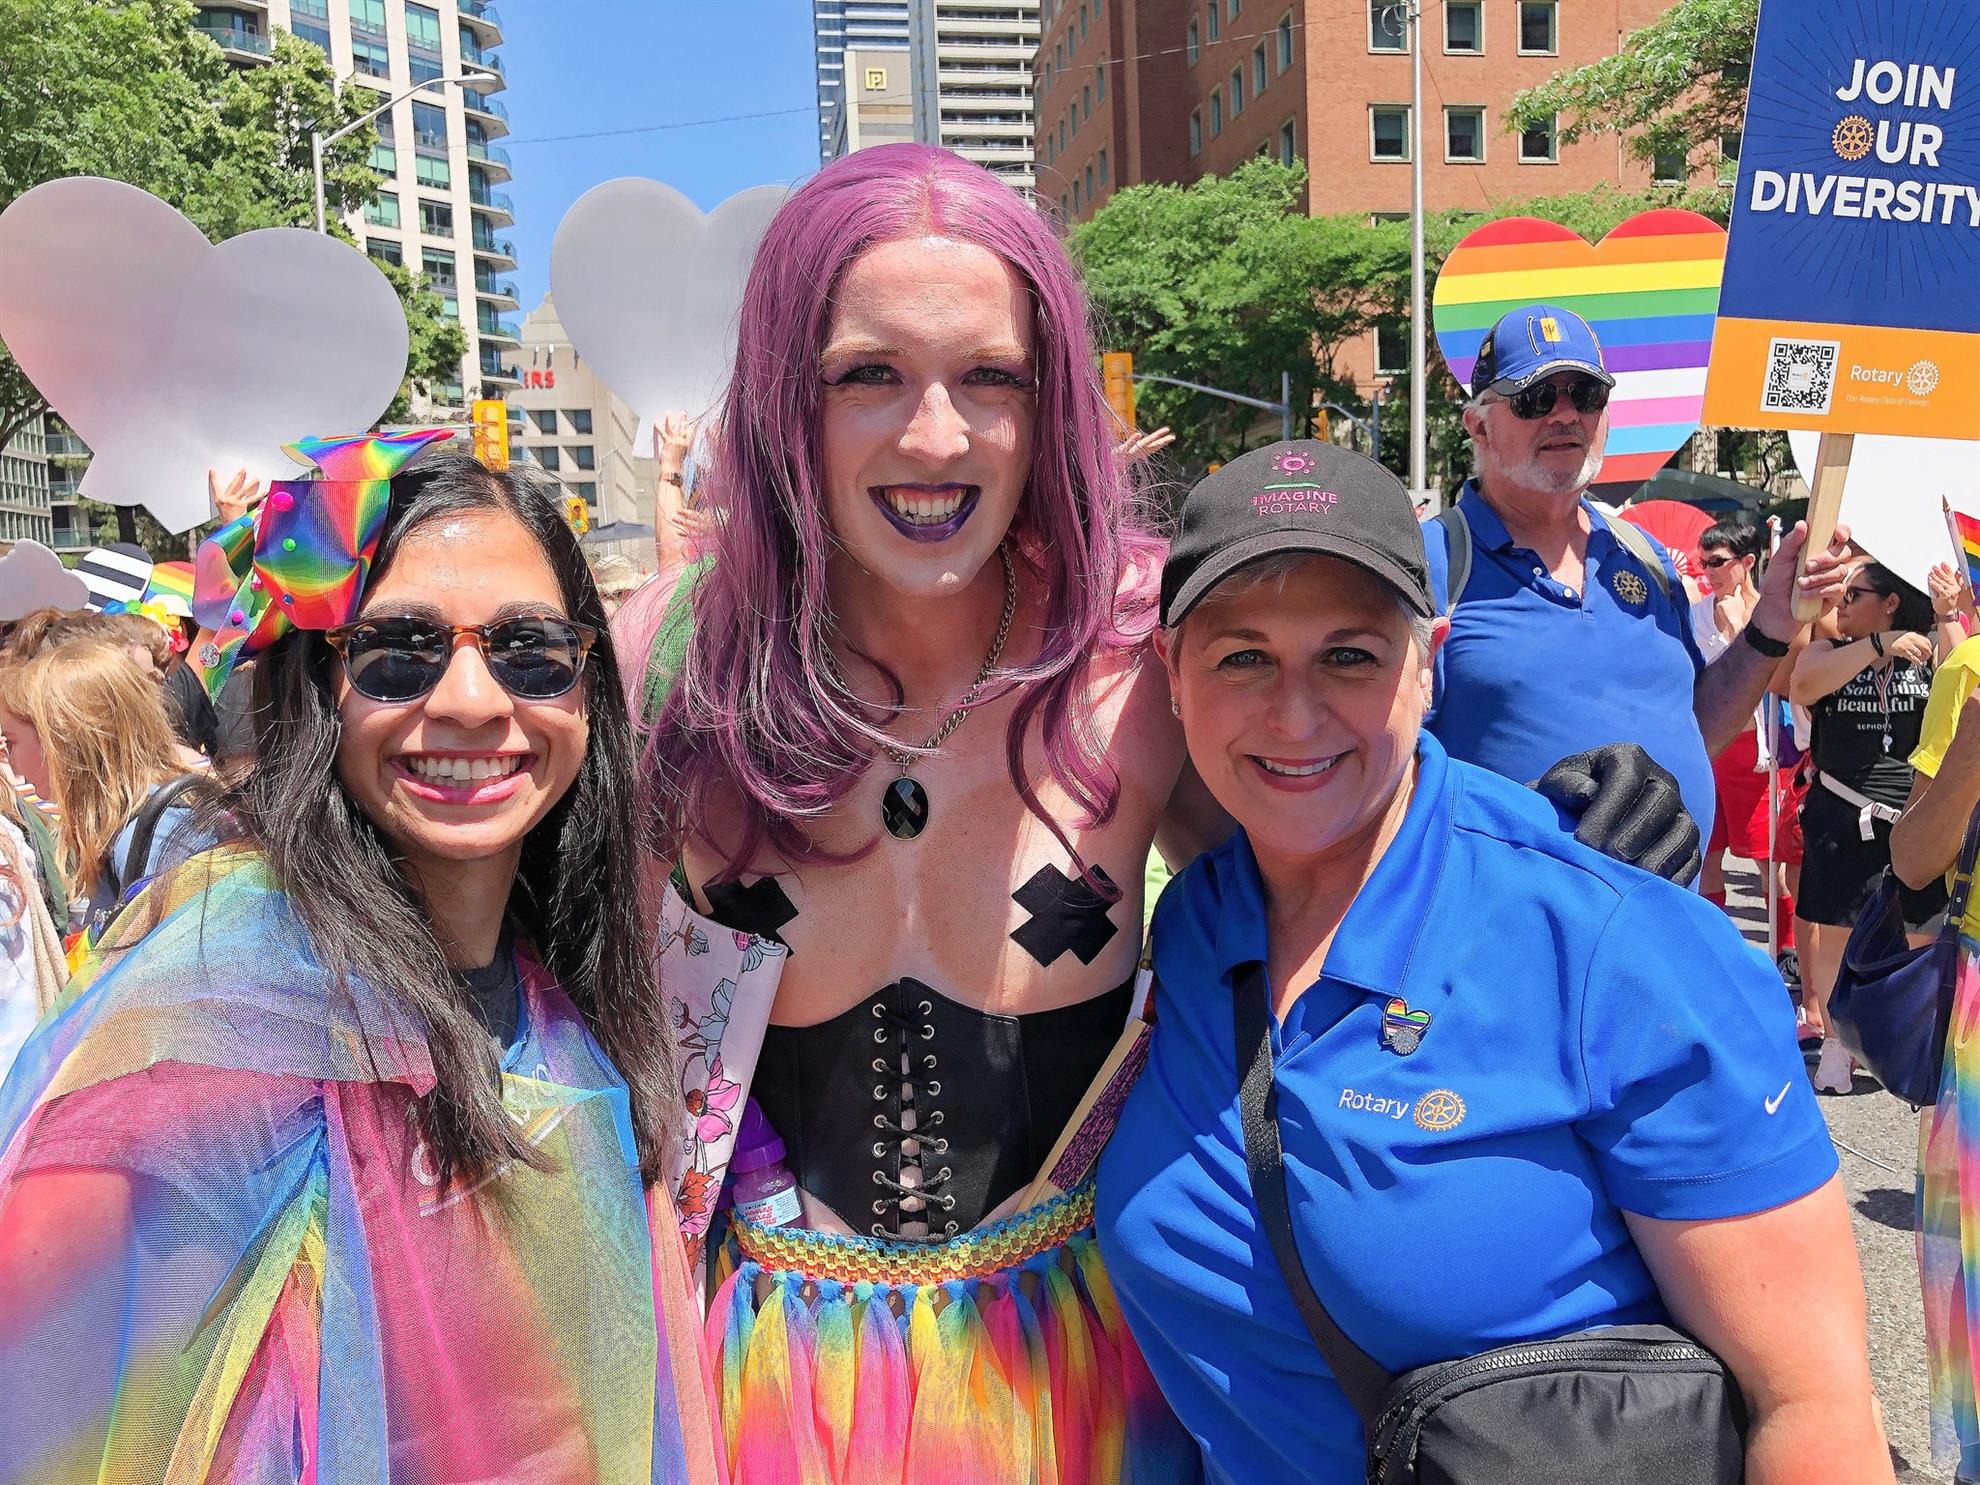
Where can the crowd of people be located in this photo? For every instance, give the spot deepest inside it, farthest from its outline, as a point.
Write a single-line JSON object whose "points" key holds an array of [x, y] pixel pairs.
{"points": [[381, 1037]]}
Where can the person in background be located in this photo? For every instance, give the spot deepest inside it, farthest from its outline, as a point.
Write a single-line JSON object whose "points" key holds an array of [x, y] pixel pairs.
{"points": [[1731, 550], [1523, 1090], [1866, 691], [1952, 607], [32, 969], [616, 577], [88, 732], [685, 522]]}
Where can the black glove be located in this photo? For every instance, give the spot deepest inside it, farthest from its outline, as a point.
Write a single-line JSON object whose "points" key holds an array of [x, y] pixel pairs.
{"points": [[1627, 807]]}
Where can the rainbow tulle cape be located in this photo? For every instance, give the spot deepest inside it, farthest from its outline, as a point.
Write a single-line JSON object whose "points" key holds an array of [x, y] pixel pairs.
{"points": [[222, 1256]]}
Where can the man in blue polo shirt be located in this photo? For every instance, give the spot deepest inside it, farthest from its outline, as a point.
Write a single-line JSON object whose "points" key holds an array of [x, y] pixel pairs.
{"points": [[1564, 638]]}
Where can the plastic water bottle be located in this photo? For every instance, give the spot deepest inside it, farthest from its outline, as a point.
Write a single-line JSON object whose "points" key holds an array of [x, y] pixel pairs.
{"points": [[766, 1193]]}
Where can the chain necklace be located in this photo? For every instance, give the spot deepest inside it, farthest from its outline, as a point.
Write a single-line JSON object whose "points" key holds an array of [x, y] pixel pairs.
{"points": [[904, 807]]}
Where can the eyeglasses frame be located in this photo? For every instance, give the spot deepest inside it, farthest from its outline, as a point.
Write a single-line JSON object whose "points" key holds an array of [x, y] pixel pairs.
{"points": [[339, 640]]}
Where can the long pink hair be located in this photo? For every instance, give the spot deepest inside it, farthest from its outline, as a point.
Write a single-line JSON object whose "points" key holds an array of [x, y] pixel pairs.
{"points": [[754, 720]]}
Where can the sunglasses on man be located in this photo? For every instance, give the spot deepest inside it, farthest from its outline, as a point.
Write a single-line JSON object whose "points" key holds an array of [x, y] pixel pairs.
{"points": [[534, 657], [1588, 395]]}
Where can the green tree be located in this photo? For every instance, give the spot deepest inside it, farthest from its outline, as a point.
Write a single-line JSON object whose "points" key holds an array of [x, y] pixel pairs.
{"points": [[128, 89], [1676, 86]]}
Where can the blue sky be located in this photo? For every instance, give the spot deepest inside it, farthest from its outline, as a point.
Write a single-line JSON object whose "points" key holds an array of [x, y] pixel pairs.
{"points": [[591, 66]]}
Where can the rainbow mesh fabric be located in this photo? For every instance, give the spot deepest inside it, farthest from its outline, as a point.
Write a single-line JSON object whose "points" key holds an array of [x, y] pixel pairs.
{"points": [[1949, 1232], [223, 1257]]}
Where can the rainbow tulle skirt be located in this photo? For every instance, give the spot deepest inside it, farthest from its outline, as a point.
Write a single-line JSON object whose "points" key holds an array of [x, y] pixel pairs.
{"points": [[1949, 1232], [998, 1355]]}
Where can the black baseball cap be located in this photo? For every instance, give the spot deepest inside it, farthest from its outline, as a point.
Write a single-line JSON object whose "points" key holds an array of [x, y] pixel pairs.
{"points": [[1299, 496]]}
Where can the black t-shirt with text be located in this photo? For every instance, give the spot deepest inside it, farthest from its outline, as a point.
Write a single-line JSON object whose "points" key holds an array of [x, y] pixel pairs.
{"points": [[1865, 732]]}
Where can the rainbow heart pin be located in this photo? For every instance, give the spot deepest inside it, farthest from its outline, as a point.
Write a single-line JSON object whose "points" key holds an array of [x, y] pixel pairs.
{"points": [[1403, 1029], [1650, 289]]}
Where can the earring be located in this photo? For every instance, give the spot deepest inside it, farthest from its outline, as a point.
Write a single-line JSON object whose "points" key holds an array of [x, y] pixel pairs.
{"points": [[1175, 706]]}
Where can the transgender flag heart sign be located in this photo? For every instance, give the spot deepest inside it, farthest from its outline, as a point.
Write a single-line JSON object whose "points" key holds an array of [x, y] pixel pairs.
{"points": [[1650, 289]]}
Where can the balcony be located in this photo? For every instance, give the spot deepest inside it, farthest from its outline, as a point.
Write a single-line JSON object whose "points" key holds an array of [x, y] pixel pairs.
{"points": [[485, 62], [493, 156], [483, 16], [497, 206], [498, 251], [238, 41], [494, 327], [495, 116], [496, 291], [494, 369], [70, 539], [67, 446]]}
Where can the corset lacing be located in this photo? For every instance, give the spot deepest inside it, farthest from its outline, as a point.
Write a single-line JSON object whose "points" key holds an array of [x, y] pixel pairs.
{"points": [[910, 1075]]}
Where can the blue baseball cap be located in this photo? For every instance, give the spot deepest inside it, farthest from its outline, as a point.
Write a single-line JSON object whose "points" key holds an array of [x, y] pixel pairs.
{"points": [[1536, 342]]}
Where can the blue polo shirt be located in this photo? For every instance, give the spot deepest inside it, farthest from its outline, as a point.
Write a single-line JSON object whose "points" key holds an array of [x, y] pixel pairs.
{"points": [[1600, 1041], [1534, 672]]}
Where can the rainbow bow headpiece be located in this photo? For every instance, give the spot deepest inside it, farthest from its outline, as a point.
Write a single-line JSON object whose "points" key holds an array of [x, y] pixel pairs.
{"points": [[300, 560]]}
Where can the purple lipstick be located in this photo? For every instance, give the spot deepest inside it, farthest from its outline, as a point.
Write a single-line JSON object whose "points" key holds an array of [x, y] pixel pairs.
{"points": [[926, 513]]}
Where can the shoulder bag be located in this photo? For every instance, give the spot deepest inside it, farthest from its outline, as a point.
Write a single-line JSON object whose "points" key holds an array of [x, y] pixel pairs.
{"points": [[1629, 1405]]}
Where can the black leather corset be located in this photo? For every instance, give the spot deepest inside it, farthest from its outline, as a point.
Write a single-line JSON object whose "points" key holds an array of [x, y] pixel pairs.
{"points": [[988, 1095]]}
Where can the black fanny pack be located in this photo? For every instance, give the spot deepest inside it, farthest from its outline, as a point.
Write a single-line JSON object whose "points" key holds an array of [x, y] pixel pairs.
{"points": [[1629, 1405]]}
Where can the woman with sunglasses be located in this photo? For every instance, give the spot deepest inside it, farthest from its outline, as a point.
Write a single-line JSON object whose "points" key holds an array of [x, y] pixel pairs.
{"points": [[344, 1158], [1866, 691]]}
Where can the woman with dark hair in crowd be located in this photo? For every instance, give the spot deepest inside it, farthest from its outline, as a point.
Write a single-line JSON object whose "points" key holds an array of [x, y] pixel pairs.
{"points": [[344, 1154], [1867, 692]]}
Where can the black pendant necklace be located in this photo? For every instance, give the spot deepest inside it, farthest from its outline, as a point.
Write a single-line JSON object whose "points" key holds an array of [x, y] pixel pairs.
{"points": [[904, 805]]}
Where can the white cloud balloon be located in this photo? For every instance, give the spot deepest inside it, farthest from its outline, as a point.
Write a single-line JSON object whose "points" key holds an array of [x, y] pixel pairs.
{"points": [[648, 289], [1891, 499], [170, 356], [33, 577]]}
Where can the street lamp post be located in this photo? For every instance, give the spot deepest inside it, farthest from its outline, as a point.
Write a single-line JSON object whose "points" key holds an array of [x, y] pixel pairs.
{"points": [[1419, 420], [318, 140]]}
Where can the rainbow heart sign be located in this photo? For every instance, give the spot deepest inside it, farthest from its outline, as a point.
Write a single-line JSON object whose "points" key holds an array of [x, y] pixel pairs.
{"points": [[1650, 289]]}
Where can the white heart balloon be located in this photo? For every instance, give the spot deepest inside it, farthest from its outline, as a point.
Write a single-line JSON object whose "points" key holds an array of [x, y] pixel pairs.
{"points": [[33, 577], [648, 289], [227, 354], [1891, 498]]}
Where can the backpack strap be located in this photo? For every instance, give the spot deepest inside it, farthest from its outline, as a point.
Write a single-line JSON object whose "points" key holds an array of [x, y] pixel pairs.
{"points": [[144, 827], [668, 652], [1457, 564], [1636, 542]]}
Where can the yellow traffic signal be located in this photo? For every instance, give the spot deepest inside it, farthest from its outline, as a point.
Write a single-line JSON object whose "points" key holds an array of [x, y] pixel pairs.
{"points": [[578, 512], [491, 432]]}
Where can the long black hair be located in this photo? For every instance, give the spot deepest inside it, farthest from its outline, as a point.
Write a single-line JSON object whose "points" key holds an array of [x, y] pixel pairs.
{"points": [[1914, 611], [577, 895]]}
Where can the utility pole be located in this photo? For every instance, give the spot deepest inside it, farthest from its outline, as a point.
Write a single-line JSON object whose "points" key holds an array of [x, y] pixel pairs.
{"points": [[1419, 421]]}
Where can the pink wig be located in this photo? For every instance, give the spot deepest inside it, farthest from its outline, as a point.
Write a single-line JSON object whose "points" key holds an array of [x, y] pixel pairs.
{"points": [[754, 720]]}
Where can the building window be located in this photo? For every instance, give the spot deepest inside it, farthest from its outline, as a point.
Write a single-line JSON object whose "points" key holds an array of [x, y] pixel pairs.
{"points": [[423, 28], [1103, 170], [585, 490], [1216, 112], [1089, 184], [581, 456], [438, 265], [1669, 168], [436, 218], [1085, 104], [1388, 131], [1236, 6], [1065, 206], [432, 170], [1464, 27], [368, 15], [1287, 139], [1388, 28], [382, 210], [1076, 198], [316, 35], [1216, 22], [545, 420], [1729, 143], [1196, 132], [1192, 44], [423, 68], [385, 250], [580, 420], [1464, 136], [385, 158], [1539, 28], [370, 58], [1392, 348], [1237, 91], [549, 458], [1258, 78], [1285, 43], [1539, 145], [1100, 83]]}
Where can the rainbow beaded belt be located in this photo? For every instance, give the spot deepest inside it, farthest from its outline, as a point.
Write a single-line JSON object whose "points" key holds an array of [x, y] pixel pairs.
{"points": [[977, 1254]]}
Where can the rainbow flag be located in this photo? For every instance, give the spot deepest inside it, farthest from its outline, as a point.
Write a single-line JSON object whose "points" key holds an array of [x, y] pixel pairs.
{"points": [[1966, 532], [1651, 292]]}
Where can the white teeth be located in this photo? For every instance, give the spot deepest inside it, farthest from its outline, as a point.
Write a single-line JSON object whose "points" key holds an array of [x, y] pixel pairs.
{"points": [[1306, 771], [924, 510], [461, 770]]}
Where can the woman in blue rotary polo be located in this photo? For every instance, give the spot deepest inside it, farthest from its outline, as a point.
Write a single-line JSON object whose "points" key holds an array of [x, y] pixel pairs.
{"points": [[1523, 1090]]}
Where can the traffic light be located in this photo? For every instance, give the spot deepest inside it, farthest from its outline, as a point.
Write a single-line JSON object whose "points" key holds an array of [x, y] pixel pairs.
{"points": [[1117, 369], [491, 432], [577, 510]]}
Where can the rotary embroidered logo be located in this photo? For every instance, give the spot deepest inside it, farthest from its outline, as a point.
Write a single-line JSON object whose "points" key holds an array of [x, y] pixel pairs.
{"points": [[1630, 588], [1293, 492], [1438, 1110]]}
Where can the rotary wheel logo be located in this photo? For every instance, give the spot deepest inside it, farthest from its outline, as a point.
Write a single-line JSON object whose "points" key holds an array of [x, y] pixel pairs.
{"points": [[1630, 588], [1438, 1110], [1922, 380], [1852, 137], [1294, 461]]}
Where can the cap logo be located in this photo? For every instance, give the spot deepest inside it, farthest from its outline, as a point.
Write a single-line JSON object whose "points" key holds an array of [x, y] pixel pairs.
{"points": [[1550, 330], [1294, 493]]}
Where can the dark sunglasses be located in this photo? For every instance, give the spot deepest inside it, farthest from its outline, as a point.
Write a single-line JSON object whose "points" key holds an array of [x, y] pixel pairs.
{"points": [[1715, 563], [535, 657], [1535, 402], [1850, 595]]}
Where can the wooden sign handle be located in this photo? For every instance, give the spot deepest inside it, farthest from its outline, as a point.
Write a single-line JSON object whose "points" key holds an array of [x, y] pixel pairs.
{"points": [[1824, 505]]}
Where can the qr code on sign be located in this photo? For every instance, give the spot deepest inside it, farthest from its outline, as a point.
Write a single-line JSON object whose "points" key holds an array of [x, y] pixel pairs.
{"points": [[1801, 376]]}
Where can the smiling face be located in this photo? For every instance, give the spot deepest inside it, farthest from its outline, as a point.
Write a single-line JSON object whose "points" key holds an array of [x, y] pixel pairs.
{"points": [[1301, 703], [1553, 456], [465, 772], [929, 405]]}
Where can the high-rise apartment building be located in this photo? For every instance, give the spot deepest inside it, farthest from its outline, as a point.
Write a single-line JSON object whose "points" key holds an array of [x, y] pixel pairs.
{"points": [[25, 514], [968, 77], [439, 211]]}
